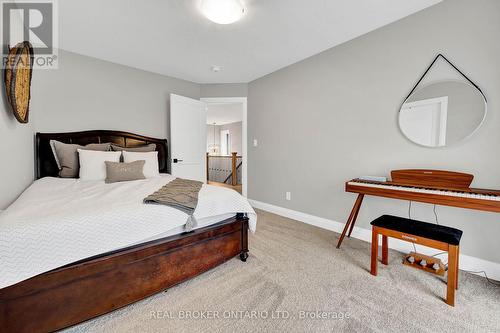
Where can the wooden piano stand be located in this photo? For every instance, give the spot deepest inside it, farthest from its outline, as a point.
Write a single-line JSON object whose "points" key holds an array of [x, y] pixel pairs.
{"points": [[436, 187]]}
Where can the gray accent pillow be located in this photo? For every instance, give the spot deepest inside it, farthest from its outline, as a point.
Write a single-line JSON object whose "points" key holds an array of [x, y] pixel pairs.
{"points": [[144, 149], [123, 172], [66, 156]]}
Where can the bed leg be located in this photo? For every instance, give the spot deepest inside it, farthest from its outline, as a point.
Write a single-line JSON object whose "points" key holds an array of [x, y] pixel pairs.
{"points": [[244, 256], [244, 237]]}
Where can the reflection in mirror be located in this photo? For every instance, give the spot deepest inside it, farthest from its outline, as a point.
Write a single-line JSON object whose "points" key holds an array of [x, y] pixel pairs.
{"points": [[442, 113]]}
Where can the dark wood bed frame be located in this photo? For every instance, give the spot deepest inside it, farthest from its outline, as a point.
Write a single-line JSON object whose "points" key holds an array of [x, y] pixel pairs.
{"points": [[86, 289]]}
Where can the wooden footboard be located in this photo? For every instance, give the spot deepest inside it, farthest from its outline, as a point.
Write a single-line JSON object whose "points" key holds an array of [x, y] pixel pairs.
{"points": [[87, 289]]}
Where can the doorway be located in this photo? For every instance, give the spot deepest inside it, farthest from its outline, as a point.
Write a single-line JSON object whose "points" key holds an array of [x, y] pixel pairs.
{"points": [[227, 142]]}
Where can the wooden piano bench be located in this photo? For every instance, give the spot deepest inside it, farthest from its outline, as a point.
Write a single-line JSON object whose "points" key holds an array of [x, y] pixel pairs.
{"points": [[432, 235]]}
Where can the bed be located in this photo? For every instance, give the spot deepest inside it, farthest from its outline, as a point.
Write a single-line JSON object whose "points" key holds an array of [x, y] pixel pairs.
{"points": [[143, 256]]}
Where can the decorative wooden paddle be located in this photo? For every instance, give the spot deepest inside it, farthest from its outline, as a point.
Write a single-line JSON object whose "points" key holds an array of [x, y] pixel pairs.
{"points": [[18, 73]]}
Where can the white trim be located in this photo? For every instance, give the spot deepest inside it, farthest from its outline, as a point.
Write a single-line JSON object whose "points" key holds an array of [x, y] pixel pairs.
{"points": [[467, 263], [244, 124]]}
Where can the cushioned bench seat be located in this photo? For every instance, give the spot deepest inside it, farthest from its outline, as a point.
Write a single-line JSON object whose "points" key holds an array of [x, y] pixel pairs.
{"points": [[429, 234], [422, 229]]}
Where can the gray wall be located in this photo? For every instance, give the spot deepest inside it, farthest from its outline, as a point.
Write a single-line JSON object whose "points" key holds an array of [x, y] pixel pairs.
{"points": [[333, 117], [85, 93], [224, 90], [88, 93], [16, 151]]}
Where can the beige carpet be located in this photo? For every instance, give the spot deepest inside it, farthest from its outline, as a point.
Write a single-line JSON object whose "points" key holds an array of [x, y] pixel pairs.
{"points": [[294, 268]]}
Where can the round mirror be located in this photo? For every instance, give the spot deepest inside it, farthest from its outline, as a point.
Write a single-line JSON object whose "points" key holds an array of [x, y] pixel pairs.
{"points": [[442, 113]]}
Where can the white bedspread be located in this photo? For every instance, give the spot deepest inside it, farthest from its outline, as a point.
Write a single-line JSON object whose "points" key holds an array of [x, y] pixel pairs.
{"points": [[57, 221]]}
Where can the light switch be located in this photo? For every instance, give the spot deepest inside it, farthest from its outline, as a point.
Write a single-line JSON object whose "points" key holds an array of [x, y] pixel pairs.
{"points": [[255, 143]]}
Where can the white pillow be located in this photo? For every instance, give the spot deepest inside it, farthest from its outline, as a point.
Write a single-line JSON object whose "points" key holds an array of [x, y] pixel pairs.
{"points": [[151, 167], [92, 166]]}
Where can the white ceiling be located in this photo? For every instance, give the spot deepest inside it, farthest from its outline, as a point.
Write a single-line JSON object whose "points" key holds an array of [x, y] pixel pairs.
{"points": [[171, 37], [224, 113]]}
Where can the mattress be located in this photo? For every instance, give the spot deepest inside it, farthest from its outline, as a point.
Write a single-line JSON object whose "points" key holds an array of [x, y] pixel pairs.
{"points": [[202, 223], [56, 221]]}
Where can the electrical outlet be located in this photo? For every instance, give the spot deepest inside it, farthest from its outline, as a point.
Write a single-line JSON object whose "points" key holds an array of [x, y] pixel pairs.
{"points": [[288, 196], [255, 143]]}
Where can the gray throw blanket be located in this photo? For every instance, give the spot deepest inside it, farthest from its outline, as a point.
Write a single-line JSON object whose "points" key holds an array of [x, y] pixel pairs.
{"points": [[181, 194]]}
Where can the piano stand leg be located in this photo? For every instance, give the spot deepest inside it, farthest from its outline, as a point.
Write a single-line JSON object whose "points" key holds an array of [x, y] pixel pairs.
{"points": [[354, 220], [349, 225]]}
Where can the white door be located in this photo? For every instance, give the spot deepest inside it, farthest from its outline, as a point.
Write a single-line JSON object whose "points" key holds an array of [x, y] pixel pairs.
{"points": [[424, 121], [225, 142], [188, 137]]}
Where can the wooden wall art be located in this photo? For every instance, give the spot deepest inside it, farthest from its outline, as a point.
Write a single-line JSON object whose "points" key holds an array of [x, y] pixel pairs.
{"points": [[18, 73]]}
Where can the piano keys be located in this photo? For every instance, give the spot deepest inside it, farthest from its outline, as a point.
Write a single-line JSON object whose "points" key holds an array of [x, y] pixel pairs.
{"points": [[428, 186], [449, 197]]}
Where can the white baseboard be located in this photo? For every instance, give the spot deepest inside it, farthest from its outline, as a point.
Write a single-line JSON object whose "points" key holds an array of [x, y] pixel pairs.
{"points": [[467, 263]]}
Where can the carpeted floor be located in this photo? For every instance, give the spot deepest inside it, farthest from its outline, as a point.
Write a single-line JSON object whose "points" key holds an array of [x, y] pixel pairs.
{"points": [[295, 280]]}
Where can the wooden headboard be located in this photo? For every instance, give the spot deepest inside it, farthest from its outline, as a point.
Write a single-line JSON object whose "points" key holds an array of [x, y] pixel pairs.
{"points": [[46, 166]]}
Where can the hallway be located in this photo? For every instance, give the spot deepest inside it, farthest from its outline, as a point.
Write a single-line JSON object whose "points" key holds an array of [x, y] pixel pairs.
{"points": [[237, 188]]}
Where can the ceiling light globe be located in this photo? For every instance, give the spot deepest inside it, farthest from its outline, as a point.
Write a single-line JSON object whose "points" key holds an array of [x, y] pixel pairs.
{"points": [[222, 11]]}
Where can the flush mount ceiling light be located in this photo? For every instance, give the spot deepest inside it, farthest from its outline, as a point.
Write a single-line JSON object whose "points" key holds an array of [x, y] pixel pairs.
{"points": [[222, 11], [216, 68]]}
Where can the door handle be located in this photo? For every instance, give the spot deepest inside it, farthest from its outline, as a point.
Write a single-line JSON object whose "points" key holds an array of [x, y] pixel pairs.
{"points": [[177, 160]]}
